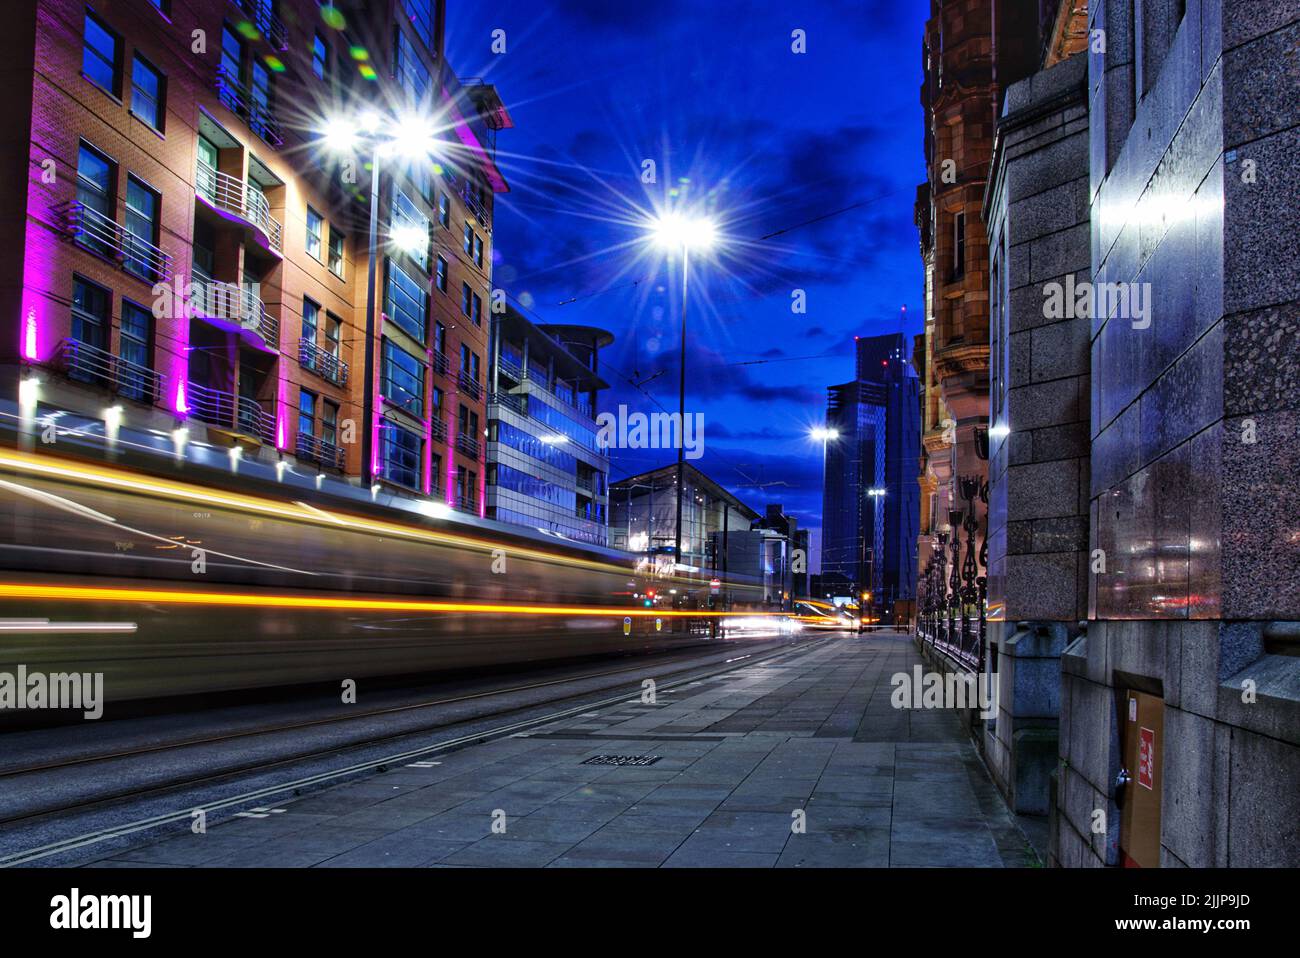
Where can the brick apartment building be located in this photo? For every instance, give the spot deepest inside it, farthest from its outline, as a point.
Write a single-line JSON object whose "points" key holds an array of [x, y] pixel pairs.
{"points": [[182, 252]]}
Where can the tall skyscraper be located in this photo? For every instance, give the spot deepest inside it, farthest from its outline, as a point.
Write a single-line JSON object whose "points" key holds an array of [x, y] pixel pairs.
{"points": [[870, 499]]}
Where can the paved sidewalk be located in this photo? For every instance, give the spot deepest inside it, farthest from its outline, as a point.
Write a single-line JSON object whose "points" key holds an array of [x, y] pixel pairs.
{"points": [[812, 733]]}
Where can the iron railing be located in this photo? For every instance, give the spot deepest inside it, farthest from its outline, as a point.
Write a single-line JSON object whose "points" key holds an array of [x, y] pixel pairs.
{"points": [[440, 362], [474, 206], [319, 451], [511, 401], [229, 411], [105, 237], [322, 362], [214, 299], [952, 590], [90, 364], [230, 193], [263, 16], [511, 369], [466, 501], [469, 386], [238, 99], [467, 445]]}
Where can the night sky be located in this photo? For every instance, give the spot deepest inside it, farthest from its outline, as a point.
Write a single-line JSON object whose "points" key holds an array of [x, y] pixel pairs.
{"points": [[769, 140]]}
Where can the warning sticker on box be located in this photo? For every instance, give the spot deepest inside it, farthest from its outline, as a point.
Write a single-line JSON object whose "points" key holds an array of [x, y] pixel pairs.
{"points": [[1147, 758]]}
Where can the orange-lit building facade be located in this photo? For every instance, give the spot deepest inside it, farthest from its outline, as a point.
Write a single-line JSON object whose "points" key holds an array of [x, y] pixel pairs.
{"points": [[182, 252]]}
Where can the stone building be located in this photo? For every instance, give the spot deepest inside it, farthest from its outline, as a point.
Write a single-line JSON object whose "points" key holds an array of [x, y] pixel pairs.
{"points": [[1194, 493], [1037, 219]]}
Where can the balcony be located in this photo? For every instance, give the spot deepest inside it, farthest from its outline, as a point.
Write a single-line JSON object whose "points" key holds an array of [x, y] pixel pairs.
{"points": [[238, 99], [438, 430], [263, 16], [229, 194], [103, 236], [324, 364], [511, 401], [475, 207], [511, 369], [585, 484], [440, 363], [237, 414], [467, 445], [469, 386], [466, 502], [234, 305], [89, 364], [319, 451]]}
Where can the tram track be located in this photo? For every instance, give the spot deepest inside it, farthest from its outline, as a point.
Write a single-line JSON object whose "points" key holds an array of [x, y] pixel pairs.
{"points": [[675, 678]]}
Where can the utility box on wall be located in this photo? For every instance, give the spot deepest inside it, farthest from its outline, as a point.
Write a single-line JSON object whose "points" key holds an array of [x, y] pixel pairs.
{"points": [[1139, 832]]}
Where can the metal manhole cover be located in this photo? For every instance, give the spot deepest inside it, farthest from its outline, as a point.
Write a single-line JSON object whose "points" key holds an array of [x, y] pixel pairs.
{"points": [[622, 760]]}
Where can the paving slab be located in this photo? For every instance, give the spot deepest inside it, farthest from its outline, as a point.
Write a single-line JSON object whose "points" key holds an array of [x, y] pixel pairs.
{"points": [[799, 761]]}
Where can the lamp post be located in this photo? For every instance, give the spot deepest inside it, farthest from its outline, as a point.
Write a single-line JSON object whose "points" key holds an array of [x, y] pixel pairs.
{"points": [[677, 232], [409, 137]]}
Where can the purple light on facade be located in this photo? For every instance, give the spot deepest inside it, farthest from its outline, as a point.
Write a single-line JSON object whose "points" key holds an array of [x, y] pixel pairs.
{"points": [[428, 456], [29, 349]]}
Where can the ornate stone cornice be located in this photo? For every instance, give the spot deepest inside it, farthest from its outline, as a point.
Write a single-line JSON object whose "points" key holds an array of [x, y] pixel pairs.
{"points": [[962, 359]]}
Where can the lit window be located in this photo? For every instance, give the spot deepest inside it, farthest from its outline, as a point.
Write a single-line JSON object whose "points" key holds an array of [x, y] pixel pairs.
{"points": [[319, 57], [314, 227], [147, 93], [441, 274], [101, 58], [336, 251]]}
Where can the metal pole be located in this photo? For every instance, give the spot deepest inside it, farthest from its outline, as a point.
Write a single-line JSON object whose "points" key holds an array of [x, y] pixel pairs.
{"points": [[681, 414], [368, 387]]}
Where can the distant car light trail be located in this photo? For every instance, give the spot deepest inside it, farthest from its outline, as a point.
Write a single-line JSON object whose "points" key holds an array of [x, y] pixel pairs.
{"points": [[29, 591]]}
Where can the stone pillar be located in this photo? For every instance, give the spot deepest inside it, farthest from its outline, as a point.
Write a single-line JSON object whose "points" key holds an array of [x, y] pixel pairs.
{"points": [[1037, 216]]}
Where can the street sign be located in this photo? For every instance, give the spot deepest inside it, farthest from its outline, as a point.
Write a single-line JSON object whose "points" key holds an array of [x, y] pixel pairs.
{"points": [[627, 625], [715, 586]]}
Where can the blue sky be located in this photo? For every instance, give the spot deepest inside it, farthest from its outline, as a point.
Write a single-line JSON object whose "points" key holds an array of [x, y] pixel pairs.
{"points": [[769, 140]]}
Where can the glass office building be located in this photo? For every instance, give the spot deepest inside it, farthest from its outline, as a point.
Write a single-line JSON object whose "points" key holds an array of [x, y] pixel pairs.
{"points": [[545, 468], [870, 501]]}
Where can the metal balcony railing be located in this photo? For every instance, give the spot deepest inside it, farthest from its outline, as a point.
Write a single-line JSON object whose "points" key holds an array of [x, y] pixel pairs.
{"points": [[237, 413], [438, 430], [321, 362], [440, 363], [514, 370], [229, 193], [475, 207], [466, 501], [214, 299], [102, 235], [319, 451], [90, 364], [585, 484], [263, 16], [238, 99], [467, 445], [469, 386], [510, 401]]}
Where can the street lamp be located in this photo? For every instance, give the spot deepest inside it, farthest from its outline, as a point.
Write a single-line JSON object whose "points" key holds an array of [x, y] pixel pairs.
{"points": [[878, 494], [677, 231], [411, 138]]}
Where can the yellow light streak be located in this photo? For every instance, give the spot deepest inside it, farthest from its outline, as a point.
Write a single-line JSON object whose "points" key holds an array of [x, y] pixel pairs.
{"points": [[71, 593], [140, 484]]}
